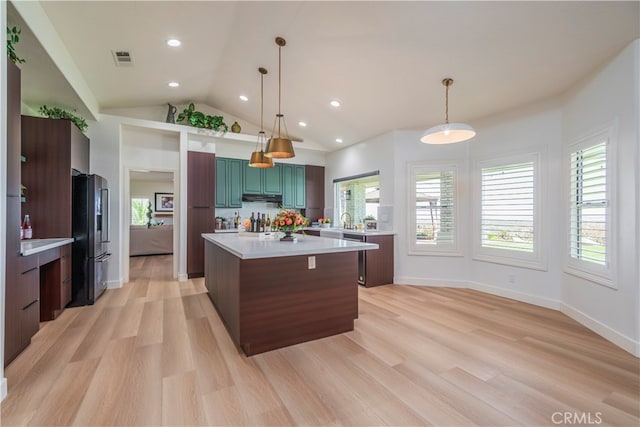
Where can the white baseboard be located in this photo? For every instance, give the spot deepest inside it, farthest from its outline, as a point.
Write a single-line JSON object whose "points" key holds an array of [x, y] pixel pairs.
{"points": [[114, 284], [515, 295], [3, 389], [436, 283], [585, 320], [182, 277], [603, 330]]}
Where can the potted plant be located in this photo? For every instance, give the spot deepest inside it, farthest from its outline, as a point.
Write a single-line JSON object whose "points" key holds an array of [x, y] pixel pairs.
{"points": [[13, 37], [324, 222], [370, 223], [201, 120], [149, 215]]}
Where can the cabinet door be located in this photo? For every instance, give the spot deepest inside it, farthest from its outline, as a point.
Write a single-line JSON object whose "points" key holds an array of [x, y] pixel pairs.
{"points": [[379, 263], [252, 179], [13, 130], [299, 186], [272, 180], [201, 179], [234, 183], [221, 182], [315, 187], [199, 220], [288, 192]]}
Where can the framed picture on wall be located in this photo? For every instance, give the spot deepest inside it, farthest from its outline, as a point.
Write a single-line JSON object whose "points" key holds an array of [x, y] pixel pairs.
{"points": [[164, 202]]}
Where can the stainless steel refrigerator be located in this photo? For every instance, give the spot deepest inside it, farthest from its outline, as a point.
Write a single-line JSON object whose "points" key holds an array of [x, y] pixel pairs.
{"points": [[90, 249]]}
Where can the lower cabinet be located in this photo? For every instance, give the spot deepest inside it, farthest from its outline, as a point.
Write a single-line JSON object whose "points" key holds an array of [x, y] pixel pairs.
{"points": [[379, 263], [22, 308], [55, 282], [199, 220]]}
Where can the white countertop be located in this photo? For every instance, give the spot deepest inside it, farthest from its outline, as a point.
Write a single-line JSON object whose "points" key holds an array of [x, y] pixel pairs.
{"points": [[253, 247], [34, 246], [228, 230]]}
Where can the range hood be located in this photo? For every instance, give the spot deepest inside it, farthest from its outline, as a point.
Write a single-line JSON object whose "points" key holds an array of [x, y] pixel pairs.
{"points": [[269, 198]]}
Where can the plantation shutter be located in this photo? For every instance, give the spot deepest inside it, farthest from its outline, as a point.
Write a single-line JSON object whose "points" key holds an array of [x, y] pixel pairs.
{"points": [[435, 221], [589, 203], [507, 207]]}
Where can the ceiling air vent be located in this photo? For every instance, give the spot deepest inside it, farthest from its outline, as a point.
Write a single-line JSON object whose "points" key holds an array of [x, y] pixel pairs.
{"points": [[122, 58]]}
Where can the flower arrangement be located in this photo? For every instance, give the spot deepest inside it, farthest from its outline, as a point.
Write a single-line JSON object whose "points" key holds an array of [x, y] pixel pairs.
{"points": [[324, 220], [289, 220]]}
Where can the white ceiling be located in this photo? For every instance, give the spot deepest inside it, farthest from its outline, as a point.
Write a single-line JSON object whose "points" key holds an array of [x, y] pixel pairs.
{"points": [[383, 60]]}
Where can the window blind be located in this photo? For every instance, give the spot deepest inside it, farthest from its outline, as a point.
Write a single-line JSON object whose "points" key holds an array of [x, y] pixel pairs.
{"points": [[507, 207], [589, 204]]}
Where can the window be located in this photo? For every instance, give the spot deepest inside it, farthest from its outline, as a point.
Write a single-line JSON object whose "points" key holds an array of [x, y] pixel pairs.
{"points": [[590, 227], [433, 210], [140, 208], [507, 229], [356, 198], [507, 207]]}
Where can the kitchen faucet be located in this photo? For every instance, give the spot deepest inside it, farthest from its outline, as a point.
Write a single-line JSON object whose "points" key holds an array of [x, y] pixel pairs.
{"points": [[344, 224]]}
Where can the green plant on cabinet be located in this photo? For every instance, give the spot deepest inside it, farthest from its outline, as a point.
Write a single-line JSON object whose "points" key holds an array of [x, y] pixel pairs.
{"points": [[60, 113], [13, 37], [201, 120]]}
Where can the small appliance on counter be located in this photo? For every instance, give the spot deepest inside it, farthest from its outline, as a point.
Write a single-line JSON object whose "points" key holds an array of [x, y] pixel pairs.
{"points": [[90, 256]]}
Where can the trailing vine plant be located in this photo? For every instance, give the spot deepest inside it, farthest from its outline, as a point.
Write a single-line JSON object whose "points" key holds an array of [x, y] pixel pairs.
{"points": [[13, 37], [201, 120], [59, 113]]}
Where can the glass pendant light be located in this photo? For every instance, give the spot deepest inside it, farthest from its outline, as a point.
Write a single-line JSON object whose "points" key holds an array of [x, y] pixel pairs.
{"points": [[280, 146], [448, 133], [258, 158]]}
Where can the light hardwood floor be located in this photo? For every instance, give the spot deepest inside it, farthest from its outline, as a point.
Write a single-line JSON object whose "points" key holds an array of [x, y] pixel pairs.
{"points": [[155, 353]]}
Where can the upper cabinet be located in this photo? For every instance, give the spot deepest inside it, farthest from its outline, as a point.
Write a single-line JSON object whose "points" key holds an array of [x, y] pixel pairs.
{"points": [[262, 181], [293, 186], [229, 183], [201, 179], [54, 149]]}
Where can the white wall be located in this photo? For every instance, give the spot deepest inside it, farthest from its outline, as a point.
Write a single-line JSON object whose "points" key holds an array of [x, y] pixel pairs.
{"points": [[611, 95], [3, 187], [548, 127]]}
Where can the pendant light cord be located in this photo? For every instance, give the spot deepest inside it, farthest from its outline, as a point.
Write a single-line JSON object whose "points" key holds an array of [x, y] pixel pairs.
{"points": [[446, 105]]}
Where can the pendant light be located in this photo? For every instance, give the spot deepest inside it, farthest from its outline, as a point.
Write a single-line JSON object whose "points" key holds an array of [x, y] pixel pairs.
{"points": [[280, 147], [448, 133], [258, 158]]}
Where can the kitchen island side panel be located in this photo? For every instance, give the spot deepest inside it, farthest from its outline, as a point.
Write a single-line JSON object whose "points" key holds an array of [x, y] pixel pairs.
{"points": [[269, 303], [283, 302]]}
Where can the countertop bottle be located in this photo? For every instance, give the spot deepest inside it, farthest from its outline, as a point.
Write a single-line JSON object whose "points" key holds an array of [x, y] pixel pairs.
{"points": [[26, 227]]}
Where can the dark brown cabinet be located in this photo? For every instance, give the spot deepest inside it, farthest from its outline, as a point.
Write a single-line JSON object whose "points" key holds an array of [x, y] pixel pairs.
{"points": [[315, 192], [13, 337], [55, 281], [53, 148], [379, 263], [201, 202]]}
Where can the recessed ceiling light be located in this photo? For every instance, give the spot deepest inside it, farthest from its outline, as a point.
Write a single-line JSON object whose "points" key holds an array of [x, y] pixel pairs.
{"points": [[174, 84], [244, 98], [302, 124], [339, 140], [335, 102], [174, 42]]}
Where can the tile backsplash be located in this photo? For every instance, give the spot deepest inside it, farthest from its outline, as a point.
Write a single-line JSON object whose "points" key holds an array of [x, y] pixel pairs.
{"points": [[247, 208]]}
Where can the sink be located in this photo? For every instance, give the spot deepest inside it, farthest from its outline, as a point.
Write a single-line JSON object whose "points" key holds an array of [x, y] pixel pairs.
{"points": [[331, 233]]}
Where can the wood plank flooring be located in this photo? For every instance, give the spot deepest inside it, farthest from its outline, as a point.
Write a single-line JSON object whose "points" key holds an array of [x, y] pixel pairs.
{"points": [[155, 353]]}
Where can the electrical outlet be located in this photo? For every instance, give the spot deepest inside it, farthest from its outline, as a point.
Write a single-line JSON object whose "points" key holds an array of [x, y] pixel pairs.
{"points": [[312, 262], [511, 278]]}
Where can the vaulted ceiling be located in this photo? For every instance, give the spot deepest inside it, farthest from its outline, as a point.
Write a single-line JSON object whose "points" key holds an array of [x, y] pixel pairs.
{"points": [[383, 60]]}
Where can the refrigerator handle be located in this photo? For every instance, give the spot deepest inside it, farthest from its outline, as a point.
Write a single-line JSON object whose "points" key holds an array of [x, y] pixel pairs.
{"points": [[106, 205]]}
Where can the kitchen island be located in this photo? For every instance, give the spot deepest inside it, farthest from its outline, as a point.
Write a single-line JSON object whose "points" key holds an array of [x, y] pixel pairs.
{"points": [[271, 294]]}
